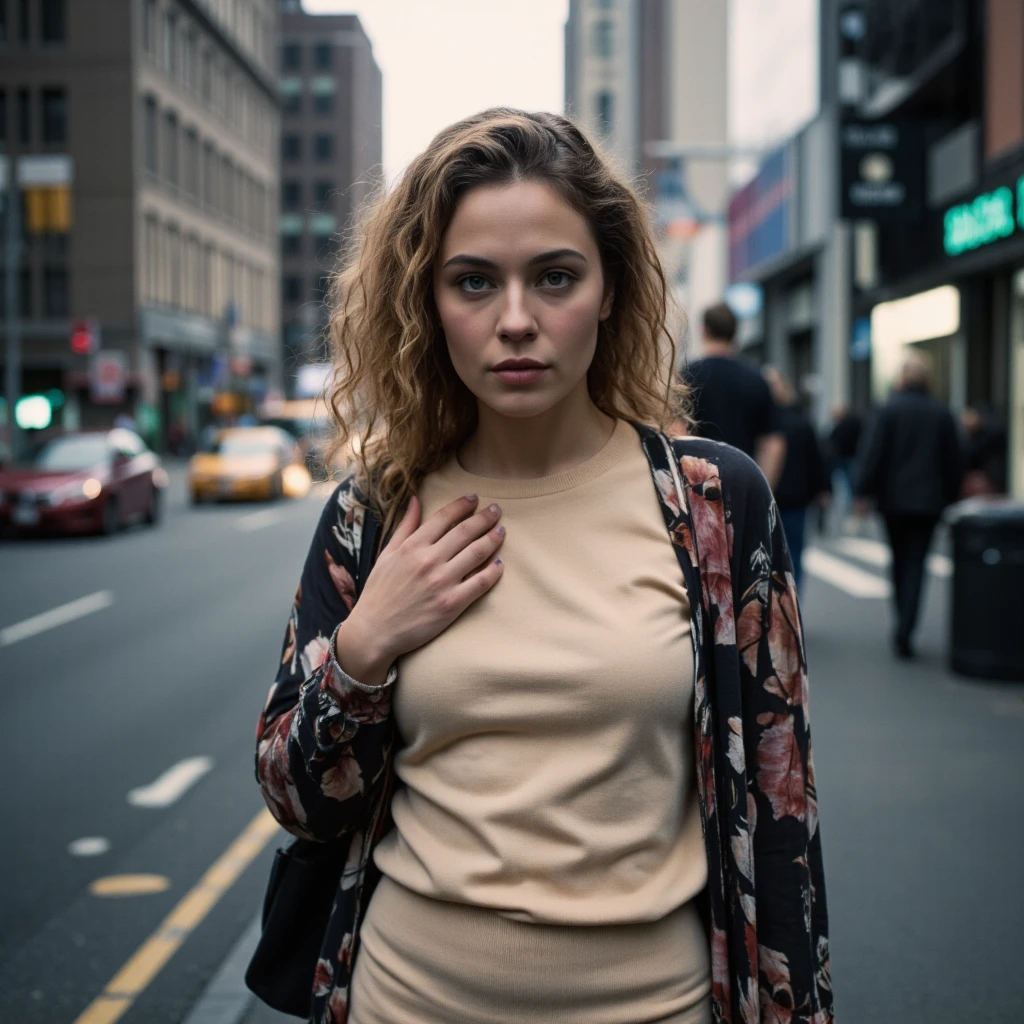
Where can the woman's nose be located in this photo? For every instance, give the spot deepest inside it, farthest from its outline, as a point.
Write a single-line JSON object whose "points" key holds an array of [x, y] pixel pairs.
{"points": [[516, 320]]}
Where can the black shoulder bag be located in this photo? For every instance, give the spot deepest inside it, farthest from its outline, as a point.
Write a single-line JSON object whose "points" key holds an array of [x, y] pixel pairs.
{"points": [[300, 893]]}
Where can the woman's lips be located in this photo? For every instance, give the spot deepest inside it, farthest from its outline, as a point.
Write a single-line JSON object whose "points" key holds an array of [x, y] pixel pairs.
{"points": [[518, 374]]}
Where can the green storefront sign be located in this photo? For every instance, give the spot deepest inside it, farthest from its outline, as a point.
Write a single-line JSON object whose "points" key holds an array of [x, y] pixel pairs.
{"points": [[986, 219]]}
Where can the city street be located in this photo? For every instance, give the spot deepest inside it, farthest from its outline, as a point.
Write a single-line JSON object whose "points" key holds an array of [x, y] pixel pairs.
{"points": [[132, 725]]}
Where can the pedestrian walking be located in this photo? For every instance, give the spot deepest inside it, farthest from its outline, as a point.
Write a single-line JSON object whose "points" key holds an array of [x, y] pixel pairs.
{"points": [[522, 723], [804, 478], [843, 440], [730, 400], [911, 465]]}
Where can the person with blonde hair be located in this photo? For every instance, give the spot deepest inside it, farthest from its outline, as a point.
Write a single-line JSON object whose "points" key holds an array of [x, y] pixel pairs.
{"points": [[553, 725]]}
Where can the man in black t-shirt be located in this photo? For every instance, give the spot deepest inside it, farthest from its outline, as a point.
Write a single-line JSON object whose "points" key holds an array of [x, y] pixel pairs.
{"points": [[731, 401]]}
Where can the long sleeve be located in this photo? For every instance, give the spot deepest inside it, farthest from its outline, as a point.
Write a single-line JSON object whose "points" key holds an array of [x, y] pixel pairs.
{"points": [[791, 919], [322, 737]]}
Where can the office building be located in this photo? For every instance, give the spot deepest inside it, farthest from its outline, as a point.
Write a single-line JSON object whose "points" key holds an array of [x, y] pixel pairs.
{"points": [[331, 149], [163, 115], [640, 72]]}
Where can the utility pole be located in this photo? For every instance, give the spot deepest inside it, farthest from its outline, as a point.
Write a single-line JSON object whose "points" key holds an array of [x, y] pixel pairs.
{"points": [[12, 325]]}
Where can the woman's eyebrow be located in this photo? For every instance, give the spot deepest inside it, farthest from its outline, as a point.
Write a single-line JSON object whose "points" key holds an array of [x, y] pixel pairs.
{"points": [[544, 257]]}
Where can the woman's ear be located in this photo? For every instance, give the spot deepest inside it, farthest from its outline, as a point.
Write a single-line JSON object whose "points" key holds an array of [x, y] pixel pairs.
{"points": [[606, 303]]}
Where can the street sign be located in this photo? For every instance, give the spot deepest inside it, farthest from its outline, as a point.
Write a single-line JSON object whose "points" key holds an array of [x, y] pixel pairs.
{"points": [[108, 374], [882, 170], [53, 170]]}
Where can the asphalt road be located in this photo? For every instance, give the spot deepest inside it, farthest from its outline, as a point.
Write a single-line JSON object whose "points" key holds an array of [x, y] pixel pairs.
{"points": [[920, 775]]}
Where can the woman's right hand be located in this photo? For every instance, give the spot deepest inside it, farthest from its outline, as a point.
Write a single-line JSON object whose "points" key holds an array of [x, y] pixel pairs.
{"points": [[424, 579]]}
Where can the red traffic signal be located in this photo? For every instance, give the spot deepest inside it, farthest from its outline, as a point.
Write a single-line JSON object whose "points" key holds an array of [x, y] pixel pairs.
{"points": [[83, 337]]}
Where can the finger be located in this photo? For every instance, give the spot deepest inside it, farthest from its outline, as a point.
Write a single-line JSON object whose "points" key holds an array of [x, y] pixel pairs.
{"points": [[471, 557], [444, 519], [478, 584], [408, 524], [461, 535]]}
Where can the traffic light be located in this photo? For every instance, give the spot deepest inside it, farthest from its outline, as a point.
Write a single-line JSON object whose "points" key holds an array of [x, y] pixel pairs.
{"points": [[83, 337]]}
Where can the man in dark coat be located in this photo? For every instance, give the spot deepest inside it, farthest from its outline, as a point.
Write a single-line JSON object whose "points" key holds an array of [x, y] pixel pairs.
{"points": [[911, 464]]}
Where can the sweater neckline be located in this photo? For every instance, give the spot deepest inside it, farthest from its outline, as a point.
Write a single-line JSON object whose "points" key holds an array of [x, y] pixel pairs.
{"points": [[614, 449]]}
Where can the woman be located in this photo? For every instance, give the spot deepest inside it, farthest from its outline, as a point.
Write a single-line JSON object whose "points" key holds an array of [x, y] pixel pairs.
{"points": [[564, 728]]}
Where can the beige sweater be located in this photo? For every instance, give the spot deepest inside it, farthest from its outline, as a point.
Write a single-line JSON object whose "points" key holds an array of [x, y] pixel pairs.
{"points": [[548, 764]]}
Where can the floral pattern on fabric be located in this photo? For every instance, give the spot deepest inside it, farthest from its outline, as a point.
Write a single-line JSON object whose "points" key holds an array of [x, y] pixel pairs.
{"points": [[325, 746]]}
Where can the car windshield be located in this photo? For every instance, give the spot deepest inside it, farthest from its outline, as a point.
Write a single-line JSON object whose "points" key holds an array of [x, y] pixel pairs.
{"points": [[71, 454], [237, 444]]}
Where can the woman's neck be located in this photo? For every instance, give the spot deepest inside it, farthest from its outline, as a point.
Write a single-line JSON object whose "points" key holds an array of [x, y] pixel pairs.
{"points": [[556, 441]]}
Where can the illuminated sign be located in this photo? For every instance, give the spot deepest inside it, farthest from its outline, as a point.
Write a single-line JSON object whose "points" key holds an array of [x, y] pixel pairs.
{"points": [[986, 219]]}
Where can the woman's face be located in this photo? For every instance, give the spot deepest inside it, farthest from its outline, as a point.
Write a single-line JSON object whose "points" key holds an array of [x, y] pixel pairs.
{"points": [[520, 291]]}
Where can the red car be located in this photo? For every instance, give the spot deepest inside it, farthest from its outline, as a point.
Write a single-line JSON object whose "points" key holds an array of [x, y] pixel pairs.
{"points": [[83, 483]]}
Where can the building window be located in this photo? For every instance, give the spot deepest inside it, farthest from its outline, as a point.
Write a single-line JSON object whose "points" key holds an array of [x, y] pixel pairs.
{"points": [[171, 148], [290, 90], [291, 147], [604, 112], [292, 291], [206, 82], [149, 140], [55, 115], [209, 170], [192, 163], [322, 192], [170, 43], [323, 104], [323, 55], [148, 26], [227, 187], [53, 21], [24, 116], [604, 38], [291, 193], [189, 56], [24, 20], [3, 21], [291, 245], [323, 147], [55, 292], [291, 57], [3, 115]]}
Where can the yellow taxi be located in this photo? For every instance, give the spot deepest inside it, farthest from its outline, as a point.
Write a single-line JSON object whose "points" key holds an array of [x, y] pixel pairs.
{"points": [[248, 464]]}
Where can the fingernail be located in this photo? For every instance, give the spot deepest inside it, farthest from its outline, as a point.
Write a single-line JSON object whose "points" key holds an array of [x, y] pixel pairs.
{"points": [[500, 531], [494, 509], [470, 497]]}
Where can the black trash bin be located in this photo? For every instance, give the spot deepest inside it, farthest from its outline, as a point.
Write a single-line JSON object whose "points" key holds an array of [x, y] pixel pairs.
{"points": [[987, 634]]}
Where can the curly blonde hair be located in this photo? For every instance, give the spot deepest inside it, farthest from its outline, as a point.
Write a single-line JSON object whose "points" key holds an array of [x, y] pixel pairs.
{"points": [[394, 395]]}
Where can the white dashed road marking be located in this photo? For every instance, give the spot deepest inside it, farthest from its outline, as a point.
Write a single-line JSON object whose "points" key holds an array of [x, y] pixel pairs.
{"points": [[89, 846], [258, 520], [841, 574], [172, 785], [56, 617], [874, 552]]}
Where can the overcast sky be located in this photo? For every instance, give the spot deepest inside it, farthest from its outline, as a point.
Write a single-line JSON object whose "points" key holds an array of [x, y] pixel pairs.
{"points": [[444, 59]]}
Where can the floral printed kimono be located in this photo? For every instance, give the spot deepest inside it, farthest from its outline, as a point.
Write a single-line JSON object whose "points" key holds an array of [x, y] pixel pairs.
{"points": [[325, 743]]}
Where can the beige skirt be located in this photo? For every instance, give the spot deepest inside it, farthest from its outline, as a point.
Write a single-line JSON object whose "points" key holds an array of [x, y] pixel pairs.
{"points": [[426, 961]]}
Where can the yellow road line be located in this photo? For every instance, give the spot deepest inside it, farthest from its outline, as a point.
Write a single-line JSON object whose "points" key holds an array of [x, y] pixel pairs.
{"points": [[149, 959]]}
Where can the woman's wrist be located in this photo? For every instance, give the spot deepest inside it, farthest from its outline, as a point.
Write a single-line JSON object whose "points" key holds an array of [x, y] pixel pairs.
{"points": [[360, 655]]}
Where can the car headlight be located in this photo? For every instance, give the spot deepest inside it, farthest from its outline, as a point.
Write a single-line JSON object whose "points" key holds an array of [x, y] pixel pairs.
{"points": [[75, 491]]}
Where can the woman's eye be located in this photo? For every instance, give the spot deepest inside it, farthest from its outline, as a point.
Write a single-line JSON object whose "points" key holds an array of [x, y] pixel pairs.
{"points": [[474, 283], [556, 279]]}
